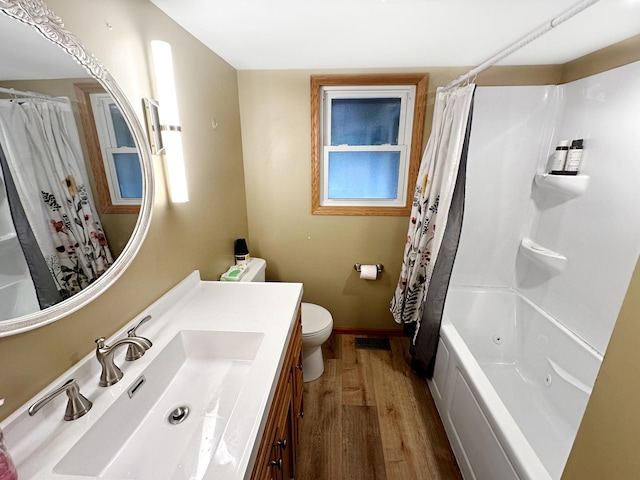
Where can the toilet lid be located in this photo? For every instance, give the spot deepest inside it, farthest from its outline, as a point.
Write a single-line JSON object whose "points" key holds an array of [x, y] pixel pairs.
{"points": [[315, 318]]}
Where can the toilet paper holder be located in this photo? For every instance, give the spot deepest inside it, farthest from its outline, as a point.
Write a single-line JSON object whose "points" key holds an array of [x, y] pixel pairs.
{"points": [[357, 267]]}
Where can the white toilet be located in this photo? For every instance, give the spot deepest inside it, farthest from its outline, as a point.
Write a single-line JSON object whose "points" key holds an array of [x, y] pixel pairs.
{"points": [[317, 324]]}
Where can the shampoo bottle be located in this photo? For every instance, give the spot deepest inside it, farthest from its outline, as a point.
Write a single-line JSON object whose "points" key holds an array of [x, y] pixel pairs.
{"points": [[574, 157], [560, 157]]}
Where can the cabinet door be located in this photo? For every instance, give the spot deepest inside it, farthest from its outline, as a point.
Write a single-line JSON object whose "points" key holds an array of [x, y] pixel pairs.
{"points": [[297, 412], [282, 458]]}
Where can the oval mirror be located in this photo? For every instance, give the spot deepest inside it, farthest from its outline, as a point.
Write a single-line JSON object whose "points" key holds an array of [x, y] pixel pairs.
{"points": [[66, 232]]}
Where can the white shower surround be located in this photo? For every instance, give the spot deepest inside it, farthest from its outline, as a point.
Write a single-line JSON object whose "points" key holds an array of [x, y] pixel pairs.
{"points": [[515, 131], [514, 134]]}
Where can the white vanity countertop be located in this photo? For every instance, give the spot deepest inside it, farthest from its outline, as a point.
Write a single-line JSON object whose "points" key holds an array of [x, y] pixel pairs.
{"points": [[38, 443]]}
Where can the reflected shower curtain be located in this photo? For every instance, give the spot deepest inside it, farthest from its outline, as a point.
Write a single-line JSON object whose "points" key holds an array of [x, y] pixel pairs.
{"points": [[434, 228], [42, 148]]}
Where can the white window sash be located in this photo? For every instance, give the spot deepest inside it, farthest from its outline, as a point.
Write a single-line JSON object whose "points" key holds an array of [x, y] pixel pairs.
{"points": [[407, 97], [403, 176], [112, 176]]}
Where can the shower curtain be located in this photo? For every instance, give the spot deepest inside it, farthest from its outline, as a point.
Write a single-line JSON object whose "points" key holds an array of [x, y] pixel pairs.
{"points": [[44, 160], [434, 227]]}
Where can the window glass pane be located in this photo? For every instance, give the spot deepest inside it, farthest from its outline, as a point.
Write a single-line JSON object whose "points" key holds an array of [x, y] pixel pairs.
{"points": [[120, 128], [363, 175], [129, 174], [365, 121]]}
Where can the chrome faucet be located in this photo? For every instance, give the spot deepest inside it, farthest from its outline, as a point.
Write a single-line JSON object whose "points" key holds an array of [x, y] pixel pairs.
{"points": [[134, 352], [77, 405], [104, 353]]}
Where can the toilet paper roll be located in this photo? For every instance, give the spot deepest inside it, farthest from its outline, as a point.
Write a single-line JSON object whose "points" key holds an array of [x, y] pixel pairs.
{"points": [[368, 272]]}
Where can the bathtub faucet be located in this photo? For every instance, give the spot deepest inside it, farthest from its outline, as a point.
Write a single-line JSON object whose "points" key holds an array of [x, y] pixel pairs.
{"points": [[104, 353]]}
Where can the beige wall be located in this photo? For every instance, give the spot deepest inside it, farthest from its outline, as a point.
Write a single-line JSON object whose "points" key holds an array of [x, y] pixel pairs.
{"points": [[320, 250], [616, 55], [182, 238]]}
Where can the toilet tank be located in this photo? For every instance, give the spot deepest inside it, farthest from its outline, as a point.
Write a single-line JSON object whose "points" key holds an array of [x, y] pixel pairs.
{"points": [[255, 270]]}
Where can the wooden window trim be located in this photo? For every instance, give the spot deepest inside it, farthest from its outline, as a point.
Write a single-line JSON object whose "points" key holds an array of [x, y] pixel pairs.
{"points": [[83, 92], [317, 81]]}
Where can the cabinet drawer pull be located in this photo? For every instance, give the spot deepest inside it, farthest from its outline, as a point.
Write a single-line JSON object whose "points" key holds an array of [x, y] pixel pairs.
{"points": [[282, 443], [299, 367], [277, 463], [301, 414]]}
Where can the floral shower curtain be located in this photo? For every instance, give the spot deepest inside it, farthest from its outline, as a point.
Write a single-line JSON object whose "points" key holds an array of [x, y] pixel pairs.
{"points": [[438, 179], [42, 149]]}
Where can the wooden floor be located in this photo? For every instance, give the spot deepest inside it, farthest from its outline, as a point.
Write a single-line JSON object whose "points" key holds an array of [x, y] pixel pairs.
{"points": [[370, 417]]}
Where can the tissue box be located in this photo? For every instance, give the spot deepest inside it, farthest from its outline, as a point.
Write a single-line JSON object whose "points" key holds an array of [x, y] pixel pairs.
{"points": [[234, 274]]}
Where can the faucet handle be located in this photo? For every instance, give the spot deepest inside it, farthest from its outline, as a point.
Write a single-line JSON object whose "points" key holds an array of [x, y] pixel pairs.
{"points": [[134, 351], [77, 404], [132, 332]]}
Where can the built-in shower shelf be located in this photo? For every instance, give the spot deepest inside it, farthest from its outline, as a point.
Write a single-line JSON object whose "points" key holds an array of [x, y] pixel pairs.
{"points": [[553, 260], [567, 185]]}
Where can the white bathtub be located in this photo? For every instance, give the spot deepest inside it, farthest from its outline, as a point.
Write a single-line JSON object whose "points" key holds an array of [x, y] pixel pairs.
{"points": [[511, 385], [18, 298], [17, 293]]}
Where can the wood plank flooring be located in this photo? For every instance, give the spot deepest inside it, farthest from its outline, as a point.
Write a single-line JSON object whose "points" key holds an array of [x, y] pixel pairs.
{"points": [[369, 417]]}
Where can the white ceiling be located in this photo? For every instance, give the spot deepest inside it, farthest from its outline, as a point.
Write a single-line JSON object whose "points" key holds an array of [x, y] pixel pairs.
{"points": [[292, 34], [332, 34], [25, 54]]}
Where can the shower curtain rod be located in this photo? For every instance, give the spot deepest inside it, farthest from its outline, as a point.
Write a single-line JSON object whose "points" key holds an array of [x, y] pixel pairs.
{"points": [[40, 96], [538, 32]]}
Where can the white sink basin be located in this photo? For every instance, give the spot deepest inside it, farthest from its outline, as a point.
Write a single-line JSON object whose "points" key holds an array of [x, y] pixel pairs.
{"points": [[202, 370], [226, 379]]}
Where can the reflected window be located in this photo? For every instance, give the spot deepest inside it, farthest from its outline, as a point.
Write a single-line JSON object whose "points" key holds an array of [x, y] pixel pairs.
{"points": [[115, 161], [119, 152]]}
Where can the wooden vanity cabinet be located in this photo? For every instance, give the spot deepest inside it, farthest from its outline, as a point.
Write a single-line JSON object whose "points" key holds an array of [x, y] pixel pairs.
{"points": [[276, 459]]}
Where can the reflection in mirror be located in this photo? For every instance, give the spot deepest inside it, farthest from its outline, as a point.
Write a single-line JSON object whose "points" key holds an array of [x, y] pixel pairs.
{"points": [[112, 151], [54, 219], [60, 130]]}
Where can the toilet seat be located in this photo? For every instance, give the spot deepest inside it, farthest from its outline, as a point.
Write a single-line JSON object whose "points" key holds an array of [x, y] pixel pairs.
{"points": [[316, 321]]}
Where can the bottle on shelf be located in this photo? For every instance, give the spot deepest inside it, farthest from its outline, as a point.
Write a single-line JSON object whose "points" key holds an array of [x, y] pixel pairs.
{"points": [[560, 158], [574, 157]]}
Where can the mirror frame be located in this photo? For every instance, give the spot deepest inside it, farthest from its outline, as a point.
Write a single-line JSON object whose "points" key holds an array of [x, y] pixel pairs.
{"points": [[38, 15]]}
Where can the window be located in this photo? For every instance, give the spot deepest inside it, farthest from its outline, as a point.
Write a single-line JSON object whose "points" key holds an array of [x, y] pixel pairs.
{"points": [[366, 142], [114, 157]]}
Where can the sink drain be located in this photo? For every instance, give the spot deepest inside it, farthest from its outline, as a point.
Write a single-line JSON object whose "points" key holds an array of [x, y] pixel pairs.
{"points": [[178, 415]]}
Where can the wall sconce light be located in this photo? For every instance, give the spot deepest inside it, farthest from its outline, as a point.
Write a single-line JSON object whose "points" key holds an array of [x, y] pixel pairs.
{"points": [[169, 121]]}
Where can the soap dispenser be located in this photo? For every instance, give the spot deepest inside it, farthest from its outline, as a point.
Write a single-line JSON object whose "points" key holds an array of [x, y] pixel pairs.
{"points": [[7, 468]]}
